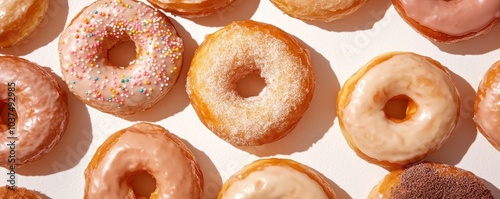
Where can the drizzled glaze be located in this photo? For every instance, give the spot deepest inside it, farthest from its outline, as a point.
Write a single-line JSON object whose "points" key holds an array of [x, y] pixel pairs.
{"points": [[454, 17], [142, 147], [275, 182], [425, 131], [89, 74]]}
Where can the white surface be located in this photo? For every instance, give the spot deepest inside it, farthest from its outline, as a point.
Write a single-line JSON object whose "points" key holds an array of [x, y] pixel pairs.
{"points": [[338, 49]]}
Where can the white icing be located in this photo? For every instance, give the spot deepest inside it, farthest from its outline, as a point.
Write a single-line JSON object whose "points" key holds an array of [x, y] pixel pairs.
{"points": [[428, 86], [275, 182]]}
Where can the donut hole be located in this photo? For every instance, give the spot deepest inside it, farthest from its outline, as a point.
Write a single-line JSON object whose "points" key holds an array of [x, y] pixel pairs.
{"points": [[122, 54], [250, 85], [399, 108], [144, 184], [5, 114]]}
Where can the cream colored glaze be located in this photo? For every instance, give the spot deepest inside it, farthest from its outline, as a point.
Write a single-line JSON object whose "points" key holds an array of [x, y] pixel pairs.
{"points": [[41, 108], [144, 148], [275, 182], [428, 86], [454, 17], [488, 112], [90, 76]]}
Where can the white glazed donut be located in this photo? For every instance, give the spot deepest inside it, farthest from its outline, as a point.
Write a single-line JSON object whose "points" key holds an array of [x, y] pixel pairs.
{"points": [[431, 115], [91, 77]]}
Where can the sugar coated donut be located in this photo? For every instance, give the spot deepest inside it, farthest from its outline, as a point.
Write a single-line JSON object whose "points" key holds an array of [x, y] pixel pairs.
{"points": [[431, 114], [35, 109], [319, 10], [143, 147], [19, 18], [191, 9], [486, 107], [449, 21], [18, 193], [276, 178], [430, 180], [113, 89], [243, 48]]}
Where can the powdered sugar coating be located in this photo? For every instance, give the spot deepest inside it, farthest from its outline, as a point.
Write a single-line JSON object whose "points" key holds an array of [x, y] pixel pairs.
{"points": [[235, 51], [123, 91]]}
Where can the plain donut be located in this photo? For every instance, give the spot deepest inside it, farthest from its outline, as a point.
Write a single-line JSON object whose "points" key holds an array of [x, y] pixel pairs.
{"points": [[19, 18]]}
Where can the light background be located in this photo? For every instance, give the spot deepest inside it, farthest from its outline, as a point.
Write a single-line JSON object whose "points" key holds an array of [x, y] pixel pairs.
{"points": [[338, 49]]}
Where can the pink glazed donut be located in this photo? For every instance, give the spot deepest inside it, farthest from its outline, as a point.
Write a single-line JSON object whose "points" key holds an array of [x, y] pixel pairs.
{"points": [[83, 48], [449, 21]]}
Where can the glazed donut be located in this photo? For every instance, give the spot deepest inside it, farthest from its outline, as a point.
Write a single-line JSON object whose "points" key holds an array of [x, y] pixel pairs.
{"points": [[276, 178], [449, 21], [431, 115], [191, 9], [430, 180], [83, 48], [243, 48], [36, 109], [17, 193], [486, 112], [320, 10], [143, 147], [19, 18]]}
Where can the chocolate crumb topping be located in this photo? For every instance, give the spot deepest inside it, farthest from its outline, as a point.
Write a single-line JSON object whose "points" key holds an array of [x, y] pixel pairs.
{"points": [[430, 181]]}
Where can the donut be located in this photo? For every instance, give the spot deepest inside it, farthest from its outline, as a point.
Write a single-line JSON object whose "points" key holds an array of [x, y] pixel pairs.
{"points": [[321, 10], [36, 111], [120, 90], [18, 192], [486, 111], [240, 49], [430, 180], [449, 21], [19, 18], [191, 9], [276, 178], [143, 147], [433, 108]]}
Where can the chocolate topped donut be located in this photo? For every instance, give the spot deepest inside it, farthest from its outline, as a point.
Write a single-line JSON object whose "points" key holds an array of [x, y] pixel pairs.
{"points": [[431, 180]]}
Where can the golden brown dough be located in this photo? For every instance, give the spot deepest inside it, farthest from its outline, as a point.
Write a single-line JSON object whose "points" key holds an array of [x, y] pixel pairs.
{"points": [[432, 181], [18, 193], [18, 18], [239, 49], [191, 9], [318, 10]]}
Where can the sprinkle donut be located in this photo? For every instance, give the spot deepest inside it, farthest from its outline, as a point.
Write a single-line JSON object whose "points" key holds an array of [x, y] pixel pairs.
{"points": [[119, 90], [239, 49]]}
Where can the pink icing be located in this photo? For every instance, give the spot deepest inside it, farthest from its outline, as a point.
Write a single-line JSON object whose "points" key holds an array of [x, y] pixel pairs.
{"points": [[89, 74], [454, 17]]}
